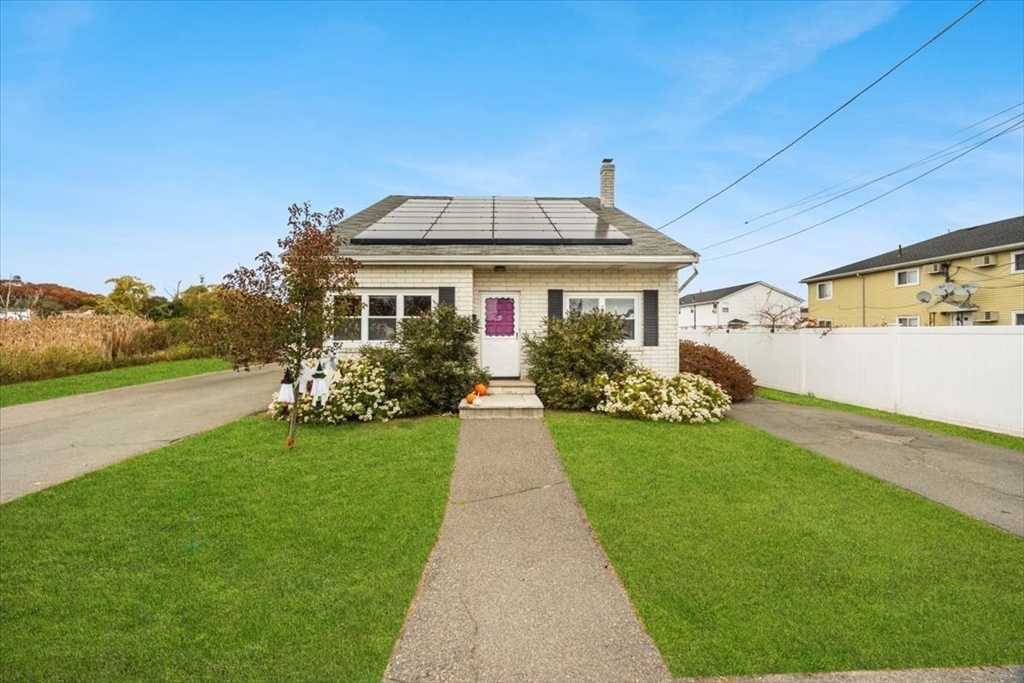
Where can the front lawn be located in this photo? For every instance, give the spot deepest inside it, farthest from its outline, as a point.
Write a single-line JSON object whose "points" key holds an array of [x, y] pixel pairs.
{"points": [[45, 389], [745, 554], [226, 558]]}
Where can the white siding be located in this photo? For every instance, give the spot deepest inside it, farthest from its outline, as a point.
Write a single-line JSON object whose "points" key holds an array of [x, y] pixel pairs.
{"points": [[533, 284]]}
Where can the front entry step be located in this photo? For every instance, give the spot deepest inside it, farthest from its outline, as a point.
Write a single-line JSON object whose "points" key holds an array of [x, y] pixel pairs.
{"points": [[504, 399], [511, 386]]}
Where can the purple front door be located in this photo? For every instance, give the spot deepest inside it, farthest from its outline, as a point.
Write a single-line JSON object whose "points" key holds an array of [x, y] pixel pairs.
{"points": [[499, 344]]}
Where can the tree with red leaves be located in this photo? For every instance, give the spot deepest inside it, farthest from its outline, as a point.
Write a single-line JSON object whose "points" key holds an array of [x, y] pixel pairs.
{"points": [[283, 311]]}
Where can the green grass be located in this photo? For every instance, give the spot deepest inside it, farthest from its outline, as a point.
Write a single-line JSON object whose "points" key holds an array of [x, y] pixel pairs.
{"points": [[991, 438], [226, 558], [745, 554], [42, 390]]}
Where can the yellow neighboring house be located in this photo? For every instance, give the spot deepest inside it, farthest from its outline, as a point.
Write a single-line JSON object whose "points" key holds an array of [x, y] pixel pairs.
{"points": [[972, 276]]}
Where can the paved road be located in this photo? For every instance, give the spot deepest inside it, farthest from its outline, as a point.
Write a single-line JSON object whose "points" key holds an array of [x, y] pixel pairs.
{"points": [[45, 443], [980, 480]]}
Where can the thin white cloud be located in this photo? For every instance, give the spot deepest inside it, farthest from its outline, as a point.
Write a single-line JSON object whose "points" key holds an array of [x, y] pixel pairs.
{"points": [[51, 26], [726, 68]]}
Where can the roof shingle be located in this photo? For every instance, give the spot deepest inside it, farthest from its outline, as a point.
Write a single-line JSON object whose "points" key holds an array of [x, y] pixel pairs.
{"points": [[990, 236], [712, 295], [646, 240]]}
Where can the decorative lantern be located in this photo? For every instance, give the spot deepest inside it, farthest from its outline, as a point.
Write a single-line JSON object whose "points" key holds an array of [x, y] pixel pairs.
{"points": [[320, 389], [287, 393]]}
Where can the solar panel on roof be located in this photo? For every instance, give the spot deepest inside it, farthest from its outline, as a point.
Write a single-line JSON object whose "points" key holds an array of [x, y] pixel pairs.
{"points": [[491, 220]]}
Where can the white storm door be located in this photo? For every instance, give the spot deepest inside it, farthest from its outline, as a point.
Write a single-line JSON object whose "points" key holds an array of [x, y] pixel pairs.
{"points": [[499, 336], [965, 319]]}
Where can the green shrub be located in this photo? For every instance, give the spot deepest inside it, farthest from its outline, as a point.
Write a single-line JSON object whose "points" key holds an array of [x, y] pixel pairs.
{"points": [[23, 365], [357, 391], [707, 361], [644, 394], [177, 330], [431, 363], [566, 359]]}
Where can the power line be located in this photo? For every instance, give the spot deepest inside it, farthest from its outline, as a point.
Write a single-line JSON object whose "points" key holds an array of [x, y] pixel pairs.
{"points": [[819, 123], [811, 197], [931, 157], [978, 123], [874, 199]]}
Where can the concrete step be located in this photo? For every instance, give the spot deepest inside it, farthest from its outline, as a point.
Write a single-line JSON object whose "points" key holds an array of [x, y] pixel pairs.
{"points": [[502, 406], [510, 386]]}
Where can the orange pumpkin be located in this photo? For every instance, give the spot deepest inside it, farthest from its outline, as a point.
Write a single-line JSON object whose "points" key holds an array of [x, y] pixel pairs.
{"points": [[470, 397], [480, 389]]}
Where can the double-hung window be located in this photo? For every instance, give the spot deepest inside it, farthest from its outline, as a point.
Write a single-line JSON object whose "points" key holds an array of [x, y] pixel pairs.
{"points": [[824, 291], [908, 320], [1017, 262], [622, 305], [375, 316], [907, 278]]}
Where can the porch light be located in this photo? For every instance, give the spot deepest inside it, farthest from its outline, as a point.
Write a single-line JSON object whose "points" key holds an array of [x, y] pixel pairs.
{"points": [[287, 393], [320, 389]]}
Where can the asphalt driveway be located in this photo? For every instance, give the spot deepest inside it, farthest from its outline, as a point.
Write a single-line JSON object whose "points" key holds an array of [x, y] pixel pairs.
{"points": [[983, 481], [45, 443]]}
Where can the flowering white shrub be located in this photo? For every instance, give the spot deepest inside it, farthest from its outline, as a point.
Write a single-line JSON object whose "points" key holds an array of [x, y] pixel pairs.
{"points": [[644, 394], [357, 392]]}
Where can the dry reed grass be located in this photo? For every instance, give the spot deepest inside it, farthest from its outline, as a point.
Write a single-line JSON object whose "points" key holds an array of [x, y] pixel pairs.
{"points": [[103, 335]]}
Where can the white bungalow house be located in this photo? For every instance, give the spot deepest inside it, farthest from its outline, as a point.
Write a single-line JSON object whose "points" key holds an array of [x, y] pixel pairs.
{"points": [[512, 261], [753, 304]]}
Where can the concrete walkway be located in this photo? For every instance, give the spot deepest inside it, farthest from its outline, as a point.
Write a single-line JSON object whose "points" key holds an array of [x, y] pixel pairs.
{"points": [[983, 481], [45, 443], [516, 588]]}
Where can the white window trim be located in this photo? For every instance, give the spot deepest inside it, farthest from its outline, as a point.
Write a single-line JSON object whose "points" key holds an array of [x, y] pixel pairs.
{"points": [[917, 277], [817, 290], [364, 312], [637, 309], [1013, 318], [823, 322], [915, 318], [1013, 263]]}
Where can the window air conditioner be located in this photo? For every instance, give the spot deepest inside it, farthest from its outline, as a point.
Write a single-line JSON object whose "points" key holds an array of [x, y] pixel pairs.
{"points": [[933, 269], [984, 261], [989, 316]]}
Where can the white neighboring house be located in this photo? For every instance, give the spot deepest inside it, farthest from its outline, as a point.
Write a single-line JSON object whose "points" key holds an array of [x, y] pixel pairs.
{"points": [[751, 304], [15, 314]]}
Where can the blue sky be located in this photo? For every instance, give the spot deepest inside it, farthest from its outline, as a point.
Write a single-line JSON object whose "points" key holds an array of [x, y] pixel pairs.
{"points": [[166, 140]]}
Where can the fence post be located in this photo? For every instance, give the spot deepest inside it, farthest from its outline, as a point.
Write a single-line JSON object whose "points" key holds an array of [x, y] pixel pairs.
{"points": [[802, 334], [896, 373]]}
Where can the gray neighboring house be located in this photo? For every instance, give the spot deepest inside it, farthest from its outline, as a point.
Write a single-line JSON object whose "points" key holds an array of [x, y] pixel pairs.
{"points": [[512, 261]]}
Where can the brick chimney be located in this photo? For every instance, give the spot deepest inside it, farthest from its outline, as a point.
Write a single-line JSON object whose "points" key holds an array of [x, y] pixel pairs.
{"points": [[607, 183]]}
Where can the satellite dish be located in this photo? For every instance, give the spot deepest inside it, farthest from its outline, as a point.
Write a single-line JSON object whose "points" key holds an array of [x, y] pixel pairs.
{"points": [[971, 288], [943, 289], [924, 297], [960, 290]]}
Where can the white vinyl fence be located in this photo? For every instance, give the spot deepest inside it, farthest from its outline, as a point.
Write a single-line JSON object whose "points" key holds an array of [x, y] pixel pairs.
{"points": [[971, 376]]}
